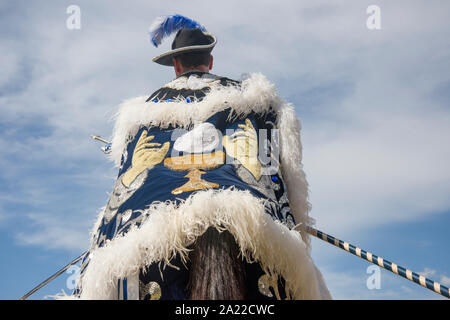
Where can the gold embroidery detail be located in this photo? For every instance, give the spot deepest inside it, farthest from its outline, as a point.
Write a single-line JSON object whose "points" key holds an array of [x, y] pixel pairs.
{"points": [[145, 155], [195, 163], [243, 146], [153, 289], [200, 161], [195, 182]]}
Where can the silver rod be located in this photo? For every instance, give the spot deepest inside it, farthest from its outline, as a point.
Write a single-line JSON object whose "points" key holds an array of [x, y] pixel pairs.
{"points": [[52, 277]]}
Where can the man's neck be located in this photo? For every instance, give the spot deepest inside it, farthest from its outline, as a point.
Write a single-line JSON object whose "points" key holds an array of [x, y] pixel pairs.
{"points": [[195, 70], [192, 70], [199, 68]]}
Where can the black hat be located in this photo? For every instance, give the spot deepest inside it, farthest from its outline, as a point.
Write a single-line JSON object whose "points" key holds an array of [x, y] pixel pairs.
{"points": [[187, 40]]}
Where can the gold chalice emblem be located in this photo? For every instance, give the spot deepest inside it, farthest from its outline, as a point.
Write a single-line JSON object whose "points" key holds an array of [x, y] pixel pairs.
{"points": [[195, 164]]}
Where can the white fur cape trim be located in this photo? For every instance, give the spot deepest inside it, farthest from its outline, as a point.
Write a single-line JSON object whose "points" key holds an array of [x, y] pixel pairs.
{"points": [[171, 228], [256, 94]]}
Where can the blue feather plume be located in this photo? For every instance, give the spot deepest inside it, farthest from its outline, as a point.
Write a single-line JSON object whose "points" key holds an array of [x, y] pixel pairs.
{"points": [[164, 26]]}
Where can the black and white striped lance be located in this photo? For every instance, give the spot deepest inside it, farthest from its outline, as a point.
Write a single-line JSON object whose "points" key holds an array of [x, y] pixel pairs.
{"points": [[405, 273]]}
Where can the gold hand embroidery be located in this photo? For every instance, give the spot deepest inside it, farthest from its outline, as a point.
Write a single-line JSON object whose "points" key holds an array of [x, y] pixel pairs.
{"points": [[243, 146], [145, 155]]}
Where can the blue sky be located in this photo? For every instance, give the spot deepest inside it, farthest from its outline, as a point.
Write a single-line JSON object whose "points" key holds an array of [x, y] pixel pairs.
{"points": [[374, 107]]}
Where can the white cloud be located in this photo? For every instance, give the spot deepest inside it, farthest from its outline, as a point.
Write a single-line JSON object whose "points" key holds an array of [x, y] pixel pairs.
{"points": [[55, 232], [427, 273], [380, 153], [9, 65], [445, 281], [348, 285], [380, 171]]}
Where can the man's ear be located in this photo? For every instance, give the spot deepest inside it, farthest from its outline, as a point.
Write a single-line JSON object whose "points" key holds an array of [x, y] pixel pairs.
{"points": [[177, 66], [210, 63]]}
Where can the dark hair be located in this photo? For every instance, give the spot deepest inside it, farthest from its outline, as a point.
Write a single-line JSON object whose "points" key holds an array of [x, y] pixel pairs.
{"points": [[194, 59], [217, 272]]}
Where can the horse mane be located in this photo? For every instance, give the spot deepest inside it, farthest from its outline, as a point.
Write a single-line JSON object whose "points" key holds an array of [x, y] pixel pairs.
{"points": [[217, 272]]}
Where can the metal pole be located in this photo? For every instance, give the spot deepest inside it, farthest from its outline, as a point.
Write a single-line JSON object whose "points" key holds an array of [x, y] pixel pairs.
{"points": [[93, 136], [107, 147], [403, 272], [52, 277]]}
